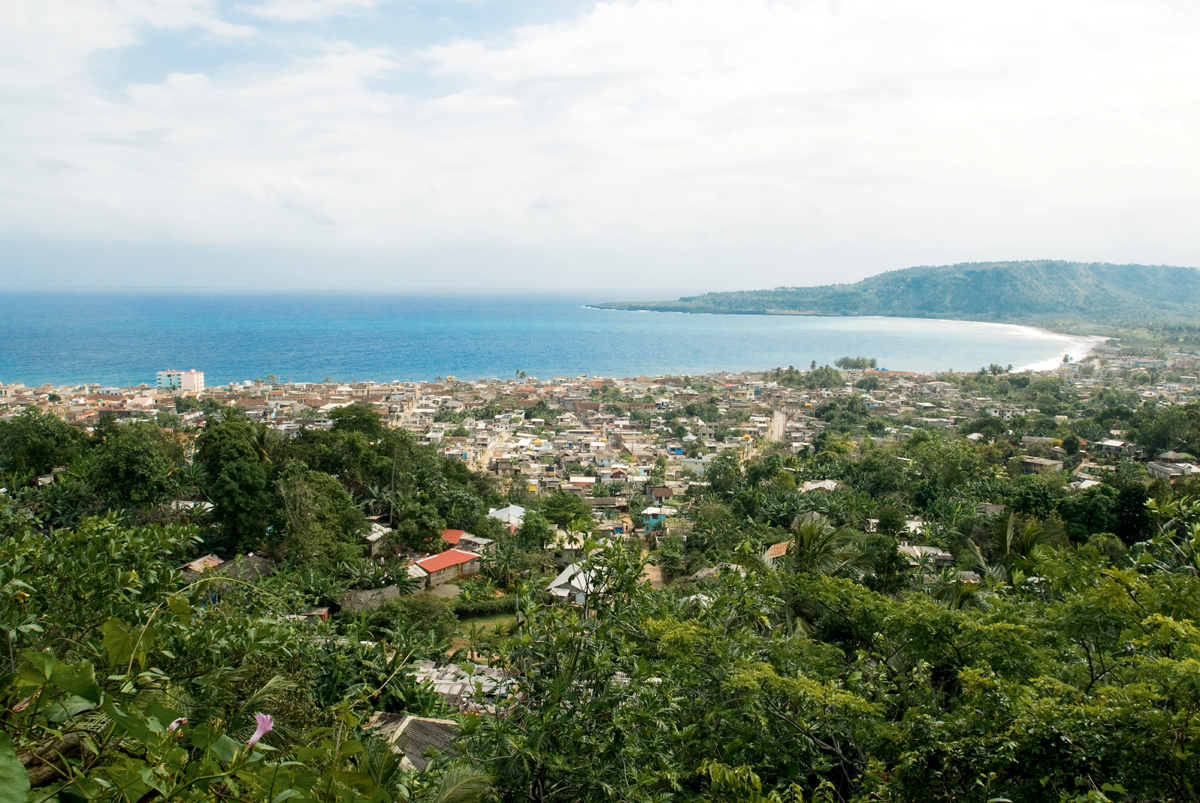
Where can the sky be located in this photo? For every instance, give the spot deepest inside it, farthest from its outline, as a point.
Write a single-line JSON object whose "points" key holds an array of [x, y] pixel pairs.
{"points": [[636, 145]]}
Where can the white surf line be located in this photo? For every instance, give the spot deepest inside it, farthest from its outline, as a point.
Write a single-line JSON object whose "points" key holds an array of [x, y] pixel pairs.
{"points": [[1077, 347]]}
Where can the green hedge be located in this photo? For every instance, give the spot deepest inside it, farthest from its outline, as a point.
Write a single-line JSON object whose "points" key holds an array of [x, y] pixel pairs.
{"points": [[489, 606]]}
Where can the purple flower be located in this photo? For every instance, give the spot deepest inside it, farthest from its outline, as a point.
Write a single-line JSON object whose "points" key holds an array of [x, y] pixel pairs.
{"points": [[264, 727], [174, 726]]}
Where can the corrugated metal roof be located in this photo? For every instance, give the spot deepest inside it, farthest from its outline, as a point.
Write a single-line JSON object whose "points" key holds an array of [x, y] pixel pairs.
{"points": [[451, 557]]}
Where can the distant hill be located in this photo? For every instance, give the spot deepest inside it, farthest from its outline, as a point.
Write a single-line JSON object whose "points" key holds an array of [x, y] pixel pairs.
{"points": [[1059, 295]]}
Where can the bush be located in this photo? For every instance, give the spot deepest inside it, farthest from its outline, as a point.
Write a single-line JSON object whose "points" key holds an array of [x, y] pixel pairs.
{"points": [[429, 613], [484, 606]]}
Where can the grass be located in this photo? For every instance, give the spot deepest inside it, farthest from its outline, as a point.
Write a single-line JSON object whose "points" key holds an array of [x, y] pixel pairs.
{"points": [[489, 623], [486, 624]]}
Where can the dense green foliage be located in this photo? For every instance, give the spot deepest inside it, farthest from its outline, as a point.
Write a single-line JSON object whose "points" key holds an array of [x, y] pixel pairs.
{"points": [[1044, 648], [1047, 293], [120, 682], [1083, 682]]}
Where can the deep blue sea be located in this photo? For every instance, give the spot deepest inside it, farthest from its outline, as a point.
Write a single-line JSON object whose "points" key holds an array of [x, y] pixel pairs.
{"points": [[124, 338]]}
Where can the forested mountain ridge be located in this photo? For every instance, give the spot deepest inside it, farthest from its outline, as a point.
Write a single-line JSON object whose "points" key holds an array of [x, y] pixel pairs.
{"points": [[1044, 292]]}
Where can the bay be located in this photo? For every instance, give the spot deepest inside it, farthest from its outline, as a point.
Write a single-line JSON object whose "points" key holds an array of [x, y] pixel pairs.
{"points": [[124, 338]]}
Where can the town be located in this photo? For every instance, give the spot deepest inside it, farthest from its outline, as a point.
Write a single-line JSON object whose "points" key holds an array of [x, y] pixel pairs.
{"points": [[440, 537]]}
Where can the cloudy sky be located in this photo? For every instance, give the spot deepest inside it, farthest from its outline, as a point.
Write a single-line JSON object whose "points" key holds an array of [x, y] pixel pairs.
{"points": [[644, 144]]}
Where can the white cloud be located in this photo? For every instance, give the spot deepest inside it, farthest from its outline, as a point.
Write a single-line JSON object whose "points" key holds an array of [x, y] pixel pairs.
{"points": [[805, 131], [307, 10], [47, 43]]}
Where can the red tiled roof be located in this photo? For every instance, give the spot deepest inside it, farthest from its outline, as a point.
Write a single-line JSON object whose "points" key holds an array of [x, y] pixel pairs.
{"points": [[451, 536], [451, 557]]}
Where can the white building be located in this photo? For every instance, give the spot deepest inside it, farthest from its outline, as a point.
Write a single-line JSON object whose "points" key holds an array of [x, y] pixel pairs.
{"points": [[192, 381], [513, 515]]}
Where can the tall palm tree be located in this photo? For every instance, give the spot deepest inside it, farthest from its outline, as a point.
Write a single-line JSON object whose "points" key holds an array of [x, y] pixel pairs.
{"points": [[264, 438]]}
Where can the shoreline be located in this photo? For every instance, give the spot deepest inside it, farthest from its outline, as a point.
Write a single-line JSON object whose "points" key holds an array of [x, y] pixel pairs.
{"points": [[1074, 343], [1088, 342]]}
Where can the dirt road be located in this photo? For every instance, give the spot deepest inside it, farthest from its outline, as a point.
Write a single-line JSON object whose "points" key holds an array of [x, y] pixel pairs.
{"points": [[775, 431], [652, 573]]}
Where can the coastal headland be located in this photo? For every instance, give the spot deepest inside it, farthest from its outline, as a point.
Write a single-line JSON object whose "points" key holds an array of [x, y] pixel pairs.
{"points": [[1099, 299]]}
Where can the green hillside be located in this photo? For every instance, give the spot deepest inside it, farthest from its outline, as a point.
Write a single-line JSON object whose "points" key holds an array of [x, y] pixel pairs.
{"points": [[1066, 296]]}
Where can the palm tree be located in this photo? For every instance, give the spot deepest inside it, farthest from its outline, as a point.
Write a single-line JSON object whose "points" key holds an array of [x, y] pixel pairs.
{"points": [[950, 588], [264, 438], [462, 782], [374, 498], [503, 563], [475, 637], [190, 479], [1021, 549], [820, 548]]}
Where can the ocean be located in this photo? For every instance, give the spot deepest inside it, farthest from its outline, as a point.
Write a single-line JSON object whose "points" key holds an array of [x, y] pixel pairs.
{"points": [[124, 338]]}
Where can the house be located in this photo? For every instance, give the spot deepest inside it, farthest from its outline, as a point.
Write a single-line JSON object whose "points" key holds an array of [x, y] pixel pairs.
{"points": [[172, 379], [826, 486], [567, 546], [417, 573], [776, 551], [512, 515], [310, 615], [314, 614], [244, 568], [376, 538], [661, 493], [476, 544], [655, 516], [452, 537], [415, 738], [183, 505], [251, 567], [1121, 448], [696, 465], [368, 600], [579, 485], [573, 585], [1032, 465], [710, 571], [452, 564], [1167, 471], [931, 555], [193, 569], [466, 687]]}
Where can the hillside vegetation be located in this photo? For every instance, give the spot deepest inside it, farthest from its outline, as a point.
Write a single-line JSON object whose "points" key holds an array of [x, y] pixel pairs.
{"points": [[1068, 296]]}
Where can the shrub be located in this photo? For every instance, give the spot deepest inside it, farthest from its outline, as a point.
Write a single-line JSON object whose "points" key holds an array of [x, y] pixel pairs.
{"points": [[429, 613], [484, 606]]}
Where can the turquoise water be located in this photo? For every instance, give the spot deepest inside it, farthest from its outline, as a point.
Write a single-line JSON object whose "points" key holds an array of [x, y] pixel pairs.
{"points": [[124, 338]]}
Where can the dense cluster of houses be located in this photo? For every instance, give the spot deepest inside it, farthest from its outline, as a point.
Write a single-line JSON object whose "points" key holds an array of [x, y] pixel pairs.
{"points": [[595, 437], [565, 434]]}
